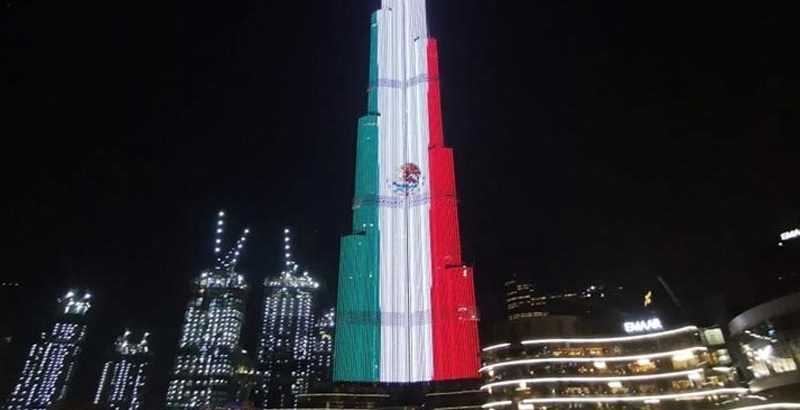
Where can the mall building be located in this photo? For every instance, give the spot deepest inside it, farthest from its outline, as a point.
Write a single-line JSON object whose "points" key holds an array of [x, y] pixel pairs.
{"points": [[643, 365]]}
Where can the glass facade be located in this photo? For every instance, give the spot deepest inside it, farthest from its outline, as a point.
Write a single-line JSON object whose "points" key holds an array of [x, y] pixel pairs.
{"points": [[679, 367], [768, 351], [767, 344]]}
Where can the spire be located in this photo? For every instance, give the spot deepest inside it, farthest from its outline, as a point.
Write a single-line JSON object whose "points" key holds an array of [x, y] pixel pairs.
{"points": [[73, 303], [218, 235], [228, 261], [287, 250], [291, 275]]}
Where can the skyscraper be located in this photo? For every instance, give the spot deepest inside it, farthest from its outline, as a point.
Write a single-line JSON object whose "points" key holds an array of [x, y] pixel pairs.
{"points": [[322, 348], [210, 353], [285, 348], [50, 364], [519, 298], [406, 302], [124, 378]]}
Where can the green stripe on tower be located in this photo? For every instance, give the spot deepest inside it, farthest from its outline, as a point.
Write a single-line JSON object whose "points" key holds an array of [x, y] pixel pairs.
{"points": [[358, 316]]}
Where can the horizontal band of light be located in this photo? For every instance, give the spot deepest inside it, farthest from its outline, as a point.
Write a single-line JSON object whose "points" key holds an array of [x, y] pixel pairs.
{"points": [[608, 399], [613, 339], [498, 346], [341, 395], [589, 379], [723, 369], [769, 406], [450, 393], [497, 403], [593, 359]]}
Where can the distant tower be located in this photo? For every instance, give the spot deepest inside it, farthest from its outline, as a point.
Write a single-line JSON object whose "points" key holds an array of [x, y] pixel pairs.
{"points": [[210, 353], [284, 354], [520, 299], [124, 377], [50, 365], [322, 350]]}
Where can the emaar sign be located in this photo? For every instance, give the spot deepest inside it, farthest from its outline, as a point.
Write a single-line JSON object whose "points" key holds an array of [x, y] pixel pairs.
{"points": [[640, 326]]}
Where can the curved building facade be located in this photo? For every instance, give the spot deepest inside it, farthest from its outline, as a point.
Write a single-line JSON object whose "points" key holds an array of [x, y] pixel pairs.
{"points": [[767, 343], [646, 367]]}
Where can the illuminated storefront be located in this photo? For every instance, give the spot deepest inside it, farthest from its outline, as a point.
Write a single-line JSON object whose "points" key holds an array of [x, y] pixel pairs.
{"points": [[767, 340], [644, 366]]}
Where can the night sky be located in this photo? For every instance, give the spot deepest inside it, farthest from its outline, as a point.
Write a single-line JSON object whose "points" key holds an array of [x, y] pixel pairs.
{"points": [[595, 142]]}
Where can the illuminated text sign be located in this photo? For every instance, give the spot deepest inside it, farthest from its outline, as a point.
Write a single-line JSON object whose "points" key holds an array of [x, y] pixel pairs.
{"points": [[794, 233], [639, 326]]}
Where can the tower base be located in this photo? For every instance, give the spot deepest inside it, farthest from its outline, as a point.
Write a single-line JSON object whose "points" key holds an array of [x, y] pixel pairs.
{"points": [[462, 394]]}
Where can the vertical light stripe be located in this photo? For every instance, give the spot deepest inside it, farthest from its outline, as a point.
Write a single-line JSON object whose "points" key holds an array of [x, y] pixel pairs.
{"points": [[404, 294], [405, 267], [357, 347]]}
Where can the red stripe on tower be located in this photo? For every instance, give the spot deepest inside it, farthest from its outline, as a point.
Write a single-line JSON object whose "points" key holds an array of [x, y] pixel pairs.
{"points": [[454, 315]]}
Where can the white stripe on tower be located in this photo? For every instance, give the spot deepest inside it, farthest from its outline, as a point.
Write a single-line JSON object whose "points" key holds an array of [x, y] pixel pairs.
{"points": [[404, 218]]}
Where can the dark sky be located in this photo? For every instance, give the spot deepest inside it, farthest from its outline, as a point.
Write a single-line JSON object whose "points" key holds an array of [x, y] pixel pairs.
{"points": [[594, 142]]}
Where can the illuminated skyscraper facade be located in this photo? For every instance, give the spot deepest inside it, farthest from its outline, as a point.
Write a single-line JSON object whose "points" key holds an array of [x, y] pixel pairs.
{"points": [[50, 365], [287, 337], [519, 298], [209, 353], [124, 378], [322, 348], [406, 302]]}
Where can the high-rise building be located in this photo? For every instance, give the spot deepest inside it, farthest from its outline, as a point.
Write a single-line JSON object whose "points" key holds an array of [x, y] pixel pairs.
{"points": [[287, 337], [406, 301], [524, 300], [209, 353], [322, 348], [123, 380], [519, 298], [50, 365]]}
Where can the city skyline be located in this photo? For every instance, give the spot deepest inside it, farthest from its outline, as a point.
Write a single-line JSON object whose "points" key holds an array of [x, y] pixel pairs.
{"points": [[657, 148]]}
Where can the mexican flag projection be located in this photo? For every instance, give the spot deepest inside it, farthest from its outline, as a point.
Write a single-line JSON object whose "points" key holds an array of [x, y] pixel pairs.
{"points": [[406, 305]]}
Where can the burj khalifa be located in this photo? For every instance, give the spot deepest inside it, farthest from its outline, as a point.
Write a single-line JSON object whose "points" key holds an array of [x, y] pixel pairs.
{"points": [[406, 301]]}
